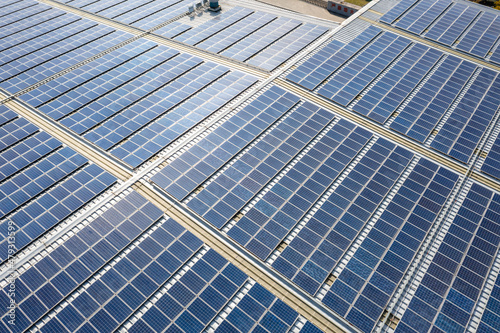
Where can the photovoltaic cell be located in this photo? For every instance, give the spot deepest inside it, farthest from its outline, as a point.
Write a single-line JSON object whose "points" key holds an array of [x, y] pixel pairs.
{"points": [[491, 316], [495, 57], [156, 135], [152, 12], [262, 38], [419, 117], [363, 289], [21, 10], [236, 32], [482, 36], [491, 165], [229, 192], [397, 11], [364, 68], [266, 224], [172, 29], [30, 27], [391, 90], [422, 15], [195, 166], [214, 26], [314, 252], [446, 297], [287, 46], [321, 65], [452, 24], [462, 131]]}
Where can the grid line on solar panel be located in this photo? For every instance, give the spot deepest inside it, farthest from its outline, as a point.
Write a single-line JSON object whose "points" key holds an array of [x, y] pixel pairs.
{"points": [[420, 116], [21, 31], [113, 131], [152, 20], [99, 86], [482, 36], [391, 90], [287, 46], [324, 63], [259, 311], [356, 75], [21, 11], [260, 39], [418, 18], [233, 34], [79, 77], [233, 188], [495, 57], [491, 164], [452, 24], [132, 279], [55, 276], [81, 3], [364, 287], [462, 131], [14, 130], [7, 3], [141, 12], [267, 223], [491, 316], [168, 127], [172, 30], [397, 11], [206, 288], [453, 281], [208, 29], [123, 8], [99, 6], [319, 245], [200, 162], [43, 64]]}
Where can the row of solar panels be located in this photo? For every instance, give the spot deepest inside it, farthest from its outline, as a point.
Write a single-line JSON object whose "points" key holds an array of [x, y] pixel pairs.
{"points": [[135, 269], [257, 38], [454, 24], [416, 90], [276, 172]]}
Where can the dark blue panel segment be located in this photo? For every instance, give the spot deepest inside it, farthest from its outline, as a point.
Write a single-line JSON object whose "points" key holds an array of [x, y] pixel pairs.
{"points": [[491, 164], [397, 11], [482, 36], [422, 15]]}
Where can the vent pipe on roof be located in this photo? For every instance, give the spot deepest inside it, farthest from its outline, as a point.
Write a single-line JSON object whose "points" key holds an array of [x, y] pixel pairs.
{"points": [[214, 6]]}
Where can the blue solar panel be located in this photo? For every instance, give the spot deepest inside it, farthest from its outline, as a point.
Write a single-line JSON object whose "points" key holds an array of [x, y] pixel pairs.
{"points": [[193, 301], [14, 130], [121, 8], [6, 115], [452, 24], [491, 316], [495, 57], [397, 11], [172, 29], [262, 38], [266, 224], [464, 128], [286, 47], [99, 6], [419, 117], [229, 192], [482, 36], [236, 32], [195, 166], [320, 66], [31, 27], [154, 13], [422, 15], [80, 3], [364, 68], [491, 164], [214, 26], [390, 91], [21, 10], [363, 289], [451, 286], [314, 252]]}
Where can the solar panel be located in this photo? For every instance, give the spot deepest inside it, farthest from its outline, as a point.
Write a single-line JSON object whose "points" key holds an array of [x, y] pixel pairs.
{"points": [[121, 8], [452, 24], [267, 223], [464, 128], [491, 163], [324, 63], [353, 78], [172, 29], [422, 15], [419, 117], [21, 10], [397, 84], [259, 40], [236, 32], [319, 245], [214, 26], [228, 193], [286, 47], [154, 13], [495, 57], [81, 3], [195, 166], [29, 28], [364, 287], [482, 36], [397, 11], [99, 6], [451, 286], [491, 314]]}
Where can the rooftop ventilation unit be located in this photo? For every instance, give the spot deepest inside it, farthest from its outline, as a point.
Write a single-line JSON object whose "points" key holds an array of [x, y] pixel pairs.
{"points": [[214, 6]]}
